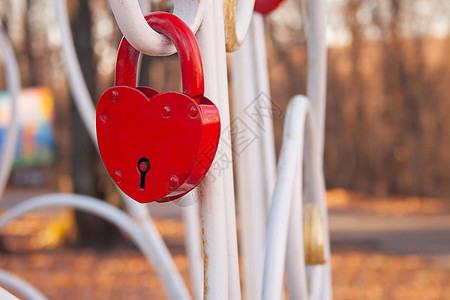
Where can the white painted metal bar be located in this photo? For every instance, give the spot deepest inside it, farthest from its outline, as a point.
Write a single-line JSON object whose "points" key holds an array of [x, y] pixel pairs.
{"points": [[237, 18], [154, 251], [225, 154], [249, 168], [263, 90], [314, 14], [4, 294], [234, 286], [19, 285], [217, 195], [299, 133], [13, 84], [296, 281], [255, 173], [191, 219], [131, 22]]}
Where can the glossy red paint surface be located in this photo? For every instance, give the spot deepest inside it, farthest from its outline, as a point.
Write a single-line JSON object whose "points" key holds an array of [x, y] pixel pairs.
{"points": [[158, 146], [266, 6]]}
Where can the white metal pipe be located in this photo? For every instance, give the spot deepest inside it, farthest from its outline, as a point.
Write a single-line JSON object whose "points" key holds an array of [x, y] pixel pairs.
{"points": [[193, 242], [299, 133], [263, 90], [131, 22], [315, 192], [217, 195], [19, 285], [296, 281], [314, 14], [13, 84], [4, 294], [290, 156], [237, 18], [249, 168], [234, 287], [164, 266]]}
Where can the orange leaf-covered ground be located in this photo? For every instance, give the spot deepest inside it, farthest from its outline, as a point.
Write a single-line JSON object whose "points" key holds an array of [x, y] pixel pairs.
{"points": [[382, 249]]}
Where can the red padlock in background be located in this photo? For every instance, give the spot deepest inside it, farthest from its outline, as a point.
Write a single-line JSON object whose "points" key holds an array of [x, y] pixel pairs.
{"points": [[265, 7], [158, 146]]}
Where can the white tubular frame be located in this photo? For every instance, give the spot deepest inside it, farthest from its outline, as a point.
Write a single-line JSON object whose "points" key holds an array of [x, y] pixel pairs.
{"points": [[314, 14], [13, 83], [299, 134], [193, 242], [131, 22], [221, 270], [4, 294], [17, 284], [256, 163]]}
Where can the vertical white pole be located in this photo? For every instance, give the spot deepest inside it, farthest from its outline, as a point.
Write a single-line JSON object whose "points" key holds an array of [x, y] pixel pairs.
{"points": [[193, 243], [249, 172], [315, 26], [217, 195], [234, 284], [4, 294], [263, 89], [256, 167], [314, 13]]}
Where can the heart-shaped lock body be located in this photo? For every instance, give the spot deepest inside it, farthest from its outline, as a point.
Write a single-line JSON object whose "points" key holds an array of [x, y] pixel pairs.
{"points": [[158, 146]]}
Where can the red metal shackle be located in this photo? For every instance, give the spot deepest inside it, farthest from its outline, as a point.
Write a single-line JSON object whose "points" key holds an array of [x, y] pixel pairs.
{"points": [[188, 52]]}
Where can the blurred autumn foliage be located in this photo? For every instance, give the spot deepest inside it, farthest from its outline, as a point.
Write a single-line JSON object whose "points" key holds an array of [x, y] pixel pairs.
{"points": [[388, 109]]}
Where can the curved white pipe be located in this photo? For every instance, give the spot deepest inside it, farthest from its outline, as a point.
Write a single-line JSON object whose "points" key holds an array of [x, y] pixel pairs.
{"points": [[314, 14], [168, 272], [131, 22], [237, 18], [21, 286], [4, 294], [299, 134], [13, 83]]}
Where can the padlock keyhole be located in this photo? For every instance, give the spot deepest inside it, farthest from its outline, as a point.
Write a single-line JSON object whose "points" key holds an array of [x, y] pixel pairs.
{"points": [[143, 168]]}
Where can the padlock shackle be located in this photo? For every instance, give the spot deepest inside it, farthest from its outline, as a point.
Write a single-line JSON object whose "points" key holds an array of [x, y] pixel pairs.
{"points": [[188, 52]]}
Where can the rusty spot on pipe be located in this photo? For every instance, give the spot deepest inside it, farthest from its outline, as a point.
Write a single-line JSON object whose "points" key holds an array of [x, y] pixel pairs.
{"points": [[205, 262], [313, 235], [229, 15]]}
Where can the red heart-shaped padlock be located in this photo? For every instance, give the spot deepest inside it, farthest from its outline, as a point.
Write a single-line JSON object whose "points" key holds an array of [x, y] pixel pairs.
{"points": [[158, 146]]}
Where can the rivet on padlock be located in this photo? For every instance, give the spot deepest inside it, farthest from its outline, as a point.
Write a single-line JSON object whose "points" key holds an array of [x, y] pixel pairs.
{"points": [[158, 146]]}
